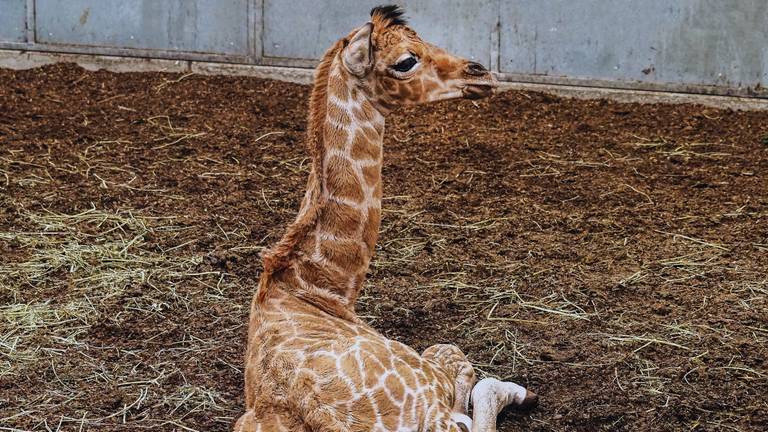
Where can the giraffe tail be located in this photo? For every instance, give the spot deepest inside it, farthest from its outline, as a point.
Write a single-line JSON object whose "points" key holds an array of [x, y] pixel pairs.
{"points": [[272, 263], [265, 288]]}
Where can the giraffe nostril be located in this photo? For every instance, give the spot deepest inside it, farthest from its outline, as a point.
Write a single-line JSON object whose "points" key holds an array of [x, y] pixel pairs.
{"points": [[476, 69]]}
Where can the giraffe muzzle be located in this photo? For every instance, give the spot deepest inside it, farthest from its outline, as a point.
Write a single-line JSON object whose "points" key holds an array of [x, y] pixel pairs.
{"points": [[478, 89], [475, 69], [479, 82]]}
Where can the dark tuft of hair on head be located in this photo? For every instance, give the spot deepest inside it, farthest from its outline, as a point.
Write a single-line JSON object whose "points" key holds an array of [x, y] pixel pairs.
{"points": [[393, 14]]}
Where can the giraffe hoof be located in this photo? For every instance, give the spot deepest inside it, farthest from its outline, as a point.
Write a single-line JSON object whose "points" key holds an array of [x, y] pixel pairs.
{"points": [[462, 421], [530, 401]]}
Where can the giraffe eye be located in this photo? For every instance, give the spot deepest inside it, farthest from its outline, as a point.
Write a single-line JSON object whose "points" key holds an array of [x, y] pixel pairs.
{"points": [[405, 65]]}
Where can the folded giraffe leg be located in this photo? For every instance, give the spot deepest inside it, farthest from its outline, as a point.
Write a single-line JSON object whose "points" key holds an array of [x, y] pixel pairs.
{"points": [[453, 362], [490, 396]]}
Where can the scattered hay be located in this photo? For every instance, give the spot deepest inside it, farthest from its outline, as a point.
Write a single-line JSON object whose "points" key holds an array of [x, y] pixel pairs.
{"points": [[99, 269], [683, 151]]}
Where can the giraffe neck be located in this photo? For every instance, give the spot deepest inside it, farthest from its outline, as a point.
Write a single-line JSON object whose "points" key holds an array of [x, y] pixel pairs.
{"points": [[333, 239]]}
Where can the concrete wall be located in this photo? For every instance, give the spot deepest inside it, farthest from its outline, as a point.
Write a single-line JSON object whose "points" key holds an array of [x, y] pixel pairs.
{"points": [[218, 26], [683, 42], [13, 21], [701, 46]]}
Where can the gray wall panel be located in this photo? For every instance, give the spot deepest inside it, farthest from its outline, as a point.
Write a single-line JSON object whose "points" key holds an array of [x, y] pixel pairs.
{"points": [[208, 26], [711, 42], [710, 46], [304, 29], [13, 19]]}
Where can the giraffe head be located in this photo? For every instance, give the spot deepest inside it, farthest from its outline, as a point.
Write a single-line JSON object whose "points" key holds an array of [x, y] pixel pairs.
{"points": [[398, 68]]}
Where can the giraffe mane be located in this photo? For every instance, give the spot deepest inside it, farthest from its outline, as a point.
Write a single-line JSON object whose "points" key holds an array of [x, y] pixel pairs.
{"points": [[386, 16], [279, 256]]}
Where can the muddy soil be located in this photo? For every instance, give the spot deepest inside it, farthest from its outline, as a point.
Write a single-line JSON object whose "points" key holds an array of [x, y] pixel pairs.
{"points": [[610, 256]]}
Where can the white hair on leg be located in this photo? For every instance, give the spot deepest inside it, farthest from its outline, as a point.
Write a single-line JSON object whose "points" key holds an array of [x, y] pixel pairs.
{"points": [[490, 396]]}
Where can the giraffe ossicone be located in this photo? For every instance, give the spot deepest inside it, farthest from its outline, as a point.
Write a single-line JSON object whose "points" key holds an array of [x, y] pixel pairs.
{"points": [[311, 363]]}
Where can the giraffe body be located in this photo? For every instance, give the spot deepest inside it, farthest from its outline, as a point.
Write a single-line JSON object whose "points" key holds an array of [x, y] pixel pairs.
{"points": [[311, 363], [340, 375]]}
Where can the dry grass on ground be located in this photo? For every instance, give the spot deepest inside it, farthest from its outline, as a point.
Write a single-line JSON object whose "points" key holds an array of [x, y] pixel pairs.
{"points": [[610, 256]]}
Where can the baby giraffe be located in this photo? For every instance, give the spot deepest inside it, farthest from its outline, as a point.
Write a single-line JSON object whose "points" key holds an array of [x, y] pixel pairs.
{"points": [[311, 363]]}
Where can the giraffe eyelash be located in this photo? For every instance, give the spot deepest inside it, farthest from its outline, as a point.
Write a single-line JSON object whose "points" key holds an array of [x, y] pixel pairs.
{"points": [[405, 66]]}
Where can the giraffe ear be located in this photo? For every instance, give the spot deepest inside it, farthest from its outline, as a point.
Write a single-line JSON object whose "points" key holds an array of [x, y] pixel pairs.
{"points": [[358, 54]]}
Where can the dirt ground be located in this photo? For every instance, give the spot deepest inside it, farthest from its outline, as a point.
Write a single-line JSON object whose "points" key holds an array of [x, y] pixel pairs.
{"points": [[610, 256]]}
